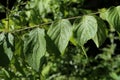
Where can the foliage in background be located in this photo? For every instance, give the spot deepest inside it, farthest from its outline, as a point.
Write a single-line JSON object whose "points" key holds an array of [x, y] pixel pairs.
{"points": [[58, 40]]}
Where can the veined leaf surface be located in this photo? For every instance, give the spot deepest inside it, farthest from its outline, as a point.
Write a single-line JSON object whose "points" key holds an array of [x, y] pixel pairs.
{"points": [[113, 17], [60, 32], [35, 47], [85, 29]]}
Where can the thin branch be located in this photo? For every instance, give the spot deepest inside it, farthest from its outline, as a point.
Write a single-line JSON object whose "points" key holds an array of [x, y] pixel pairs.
{"points": [[70, 18], [81, 16], [35, 26]]}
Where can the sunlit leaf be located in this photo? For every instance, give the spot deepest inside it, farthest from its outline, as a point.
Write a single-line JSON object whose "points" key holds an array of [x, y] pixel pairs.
{"points": [[42, 6], [10, 38], [113, 17], [35, 47], [85, 29], [60, 32], [103, 13]]}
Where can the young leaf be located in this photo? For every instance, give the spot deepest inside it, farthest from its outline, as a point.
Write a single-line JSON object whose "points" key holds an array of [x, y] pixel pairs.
{"points": [[101, 33], [35, 47], [113, 17], [103, 13], [85, 29], [60, 32]]}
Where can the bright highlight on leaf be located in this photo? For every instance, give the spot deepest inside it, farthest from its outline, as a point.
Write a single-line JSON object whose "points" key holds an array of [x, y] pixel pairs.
{"points": [[34, 47], [60, 32]]}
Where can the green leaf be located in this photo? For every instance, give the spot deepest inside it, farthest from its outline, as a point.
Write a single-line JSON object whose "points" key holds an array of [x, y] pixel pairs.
{"points": [[51, 47], [85, 29], [10, 38], [2, 37], [2, 8], [103, 13], [73, 40], [83, 51], [101, 33], [60, 32], [35, 47], [114, 76], [42, 6], [8, 45], [18, 45], [113, 17]]}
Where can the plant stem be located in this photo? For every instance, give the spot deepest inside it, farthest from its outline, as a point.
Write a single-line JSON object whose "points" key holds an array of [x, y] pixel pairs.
{"points": [[7, 15]]}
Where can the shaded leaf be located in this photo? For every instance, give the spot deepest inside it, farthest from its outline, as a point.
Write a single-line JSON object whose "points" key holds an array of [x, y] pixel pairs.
{"points": [[35, 47], [18, 45], [51, 47], [2, 8], [60, 32], [2, 37], [8, 45], [101, 33]]}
